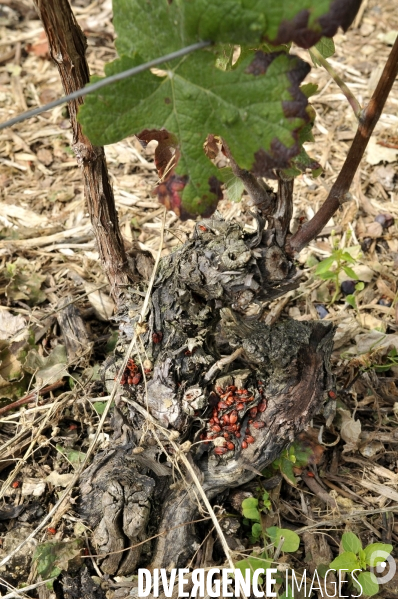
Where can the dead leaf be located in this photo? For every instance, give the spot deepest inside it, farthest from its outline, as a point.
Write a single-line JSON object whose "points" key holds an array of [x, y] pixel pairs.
{"points": [[50, 369], [363, 272], [371, 322], [371, 449], [45, 156], [373, 230], [376, 153], [211, 146], [376, 340], [346, 331], [47, 95], [40, 47], [350, 430], [102, 303], [385, 175], [389, 37], [33, 486], [59, 480], [10, 325], [22, 216], [385, 289]]}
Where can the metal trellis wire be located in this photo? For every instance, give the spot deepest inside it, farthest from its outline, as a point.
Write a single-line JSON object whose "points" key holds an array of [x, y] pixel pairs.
{"points": [[79, 93]]}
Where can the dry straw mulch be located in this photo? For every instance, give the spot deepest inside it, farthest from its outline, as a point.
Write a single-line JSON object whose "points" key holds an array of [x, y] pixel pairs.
{"points": [[49, 263]]}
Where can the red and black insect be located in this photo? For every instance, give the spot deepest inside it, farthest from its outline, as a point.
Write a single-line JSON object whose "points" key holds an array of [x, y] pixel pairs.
{"points": [[157, 337]]}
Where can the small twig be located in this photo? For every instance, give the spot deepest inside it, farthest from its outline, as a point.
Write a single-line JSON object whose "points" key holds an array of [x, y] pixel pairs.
{"points": [[30, 396], [222, 362], [21, 592], [367, 123], [259, 194], [278, 549], [342, 519], [355, 105]]}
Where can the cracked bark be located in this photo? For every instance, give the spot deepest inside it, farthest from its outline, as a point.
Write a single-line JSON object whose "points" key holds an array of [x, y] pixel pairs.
{"points": [[202, 307]]}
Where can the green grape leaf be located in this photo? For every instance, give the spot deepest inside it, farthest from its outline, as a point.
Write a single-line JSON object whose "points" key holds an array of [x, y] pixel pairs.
{"points": [[346, 256], [351, 542], [255, 105], [256, 531], [303, 21], [75, 457], [350, 273], [233, 186], [303, 162], [191, 98], [304, 455], [286, 467], [156, 27], [351, 301], [252, 564]]}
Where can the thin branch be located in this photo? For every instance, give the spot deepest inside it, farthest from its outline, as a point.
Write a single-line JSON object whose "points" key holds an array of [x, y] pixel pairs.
{"points": [[31, 396], [261, 196], [355, 105], [67, 45], [367, 123]]}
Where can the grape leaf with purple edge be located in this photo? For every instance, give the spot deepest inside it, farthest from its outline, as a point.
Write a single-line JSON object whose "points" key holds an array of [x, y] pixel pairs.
{"points": [[257, 107], [156, 27]]}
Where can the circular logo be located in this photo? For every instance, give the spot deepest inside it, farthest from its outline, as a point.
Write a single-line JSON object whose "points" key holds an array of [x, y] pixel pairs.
{"points": [[382, 566]]}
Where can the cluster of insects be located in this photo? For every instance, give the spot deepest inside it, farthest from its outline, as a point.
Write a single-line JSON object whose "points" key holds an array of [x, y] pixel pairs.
{"points": [[227, 416], [132, 374]]}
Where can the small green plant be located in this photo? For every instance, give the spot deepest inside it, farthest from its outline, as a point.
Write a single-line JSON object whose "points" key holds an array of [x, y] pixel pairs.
{"points": [[330, 269], [252, 512], [295, 456], [275, 539], [391, 360], [354, 557]]}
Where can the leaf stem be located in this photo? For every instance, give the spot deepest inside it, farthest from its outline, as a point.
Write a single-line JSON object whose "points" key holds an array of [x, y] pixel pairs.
{"points": [[367, 122], [261, 196], [355, 105]]}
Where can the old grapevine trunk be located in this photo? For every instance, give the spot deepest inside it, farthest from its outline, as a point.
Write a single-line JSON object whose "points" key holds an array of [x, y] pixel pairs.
{"points": [[209, 369]]}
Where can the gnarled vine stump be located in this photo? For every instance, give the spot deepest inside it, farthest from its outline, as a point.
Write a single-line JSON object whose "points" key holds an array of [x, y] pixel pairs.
{"points": [[208, 368]]}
